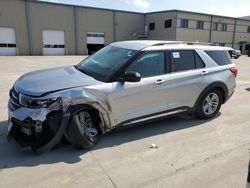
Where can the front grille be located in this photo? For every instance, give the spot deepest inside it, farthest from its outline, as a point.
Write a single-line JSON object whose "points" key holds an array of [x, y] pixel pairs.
{"points": [[14, 99]]}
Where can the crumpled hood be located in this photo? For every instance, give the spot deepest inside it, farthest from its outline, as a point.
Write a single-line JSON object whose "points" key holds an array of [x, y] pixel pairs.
{"points": [[40, 82]]}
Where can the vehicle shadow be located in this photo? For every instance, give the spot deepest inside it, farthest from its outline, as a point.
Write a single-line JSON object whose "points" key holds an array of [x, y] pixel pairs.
{"points": [[163, 126], [12, 155]]}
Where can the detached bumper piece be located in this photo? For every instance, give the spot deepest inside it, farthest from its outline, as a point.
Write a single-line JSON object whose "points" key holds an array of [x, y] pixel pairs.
{"points": [[40, 136]]}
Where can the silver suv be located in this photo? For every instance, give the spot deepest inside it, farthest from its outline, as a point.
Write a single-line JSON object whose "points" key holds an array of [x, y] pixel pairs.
{"points": [[124, 83]]}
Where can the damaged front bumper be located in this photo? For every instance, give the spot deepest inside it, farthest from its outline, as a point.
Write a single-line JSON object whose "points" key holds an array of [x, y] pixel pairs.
{"points": [[41, 129]]}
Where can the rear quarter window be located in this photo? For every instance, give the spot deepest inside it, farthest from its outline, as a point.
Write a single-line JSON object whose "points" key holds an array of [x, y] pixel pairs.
{"points": [[220, 57], [199, 63]]}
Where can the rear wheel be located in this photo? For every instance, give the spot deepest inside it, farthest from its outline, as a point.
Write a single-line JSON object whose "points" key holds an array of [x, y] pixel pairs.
{"points": [[209, 105], [82, 131]]}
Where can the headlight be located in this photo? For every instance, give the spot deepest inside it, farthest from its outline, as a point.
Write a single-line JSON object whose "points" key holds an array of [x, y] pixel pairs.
{"points": [[35, 102]]}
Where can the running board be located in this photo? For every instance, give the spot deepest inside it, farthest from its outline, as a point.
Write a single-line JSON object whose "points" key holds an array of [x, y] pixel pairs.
{"points": [[155, 116]]}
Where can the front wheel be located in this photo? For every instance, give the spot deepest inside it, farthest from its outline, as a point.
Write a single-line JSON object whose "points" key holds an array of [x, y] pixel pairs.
{"points": [[82, 131], [209, 105]]}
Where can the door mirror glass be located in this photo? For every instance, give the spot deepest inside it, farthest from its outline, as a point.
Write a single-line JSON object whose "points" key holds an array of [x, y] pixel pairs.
{"points": [[131, 76]]}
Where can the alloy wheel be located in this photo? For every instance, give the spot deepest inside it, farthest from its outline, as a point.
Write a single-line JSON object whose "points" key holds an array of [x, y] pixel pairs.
{"points": [[87, 125], [211, 103]]}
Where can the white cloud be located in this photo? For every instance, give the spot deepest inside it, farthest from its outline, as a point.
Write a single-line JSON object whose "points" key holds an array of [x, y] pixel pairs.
{"points": [[237, 10], [141, 3], [232, 10], [125, 1]]}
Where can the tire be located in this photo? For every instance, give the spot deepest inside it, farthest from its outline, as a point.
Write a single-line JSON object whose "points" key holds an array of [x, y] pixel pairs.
{"points": [[210, 104], [82, 131]]}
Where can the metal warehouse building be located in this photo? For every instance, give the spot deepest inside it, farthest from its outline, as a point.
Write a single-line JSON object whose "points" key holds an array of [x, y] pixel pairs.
{"points": [[29, 27]]}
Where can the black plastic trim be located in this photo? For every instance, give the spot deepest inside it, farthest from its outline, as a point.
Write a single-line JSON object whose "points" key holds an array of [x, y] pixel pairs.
{"points": [[22, 123], [187, 109]]}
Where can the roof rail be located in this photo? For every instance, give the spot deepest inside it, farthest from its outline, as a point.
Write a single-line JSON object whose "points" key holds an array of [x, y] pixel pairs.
{"points": [[201, 43], [183, 42]]}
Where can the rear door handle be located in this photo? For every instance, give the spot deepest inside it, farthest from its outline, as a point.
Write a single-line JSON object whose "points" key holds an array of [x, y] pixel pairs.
{"points": [[204, 72], [160, 81]]}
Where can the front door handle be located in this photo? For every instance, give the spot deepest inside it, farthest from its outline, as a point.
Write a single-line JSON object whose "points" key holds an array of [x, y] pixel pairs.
{"points": [[160, 81], [204, 72]]}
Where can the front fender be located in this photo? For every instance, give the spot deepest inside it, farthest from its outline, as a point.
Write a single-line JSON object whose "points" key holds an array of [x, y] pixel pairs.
{"points": [[93, 98]]}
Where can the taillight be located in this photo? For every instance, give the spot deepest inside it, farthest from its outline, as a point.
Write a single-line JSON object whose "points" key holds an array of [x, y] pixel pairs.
{"points": [[234, 70]]}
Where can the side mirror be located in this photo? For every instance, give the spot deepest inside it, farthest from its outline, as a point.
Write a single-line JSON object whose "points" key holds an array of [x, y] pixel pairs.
{"points": [[131, 77]]}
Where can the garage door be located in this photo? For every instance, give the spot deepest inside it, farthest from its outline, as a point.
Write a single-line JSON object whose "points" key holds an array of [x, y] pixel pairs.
{"points": [[95, 38], [95, 41], [53, 42], [7, 41]]}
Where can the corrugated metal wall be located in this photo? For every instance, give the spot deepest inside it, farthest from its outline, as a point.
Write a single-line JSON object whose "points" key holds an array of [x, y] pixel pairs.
{"points": [[51, 17], [12, 14], [128, 25], [92, 20], [74, 21], [160, 31], [192, 33]]}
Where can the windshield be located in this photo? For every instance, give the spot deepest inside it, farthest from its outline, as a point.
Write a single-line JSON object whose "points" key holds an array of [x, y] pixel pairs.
{"points": [[106, 61]]}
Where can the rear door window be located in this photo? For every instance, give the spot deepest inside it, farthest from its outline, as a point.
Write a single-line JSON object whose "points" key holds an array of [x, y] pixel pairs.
{"points": [[220, 57], [183, 60]]}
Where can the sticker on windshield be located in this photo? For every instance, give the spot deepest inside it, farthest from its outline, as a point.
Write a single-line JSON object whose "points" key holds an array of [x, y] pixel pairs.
{"points": [[176, 55]]}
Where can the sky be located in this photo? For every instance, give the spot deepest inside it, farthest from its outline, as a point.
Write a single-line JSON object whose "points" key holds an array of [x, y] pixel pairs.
{"points": [[232, 8]]}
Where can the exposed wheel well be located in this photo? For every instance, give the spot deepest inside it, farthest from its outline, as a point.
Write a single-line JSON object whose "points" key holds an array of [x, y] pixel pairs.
{"points": [[93, 111], [78, 131], [223, 93], [218, 85]]}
